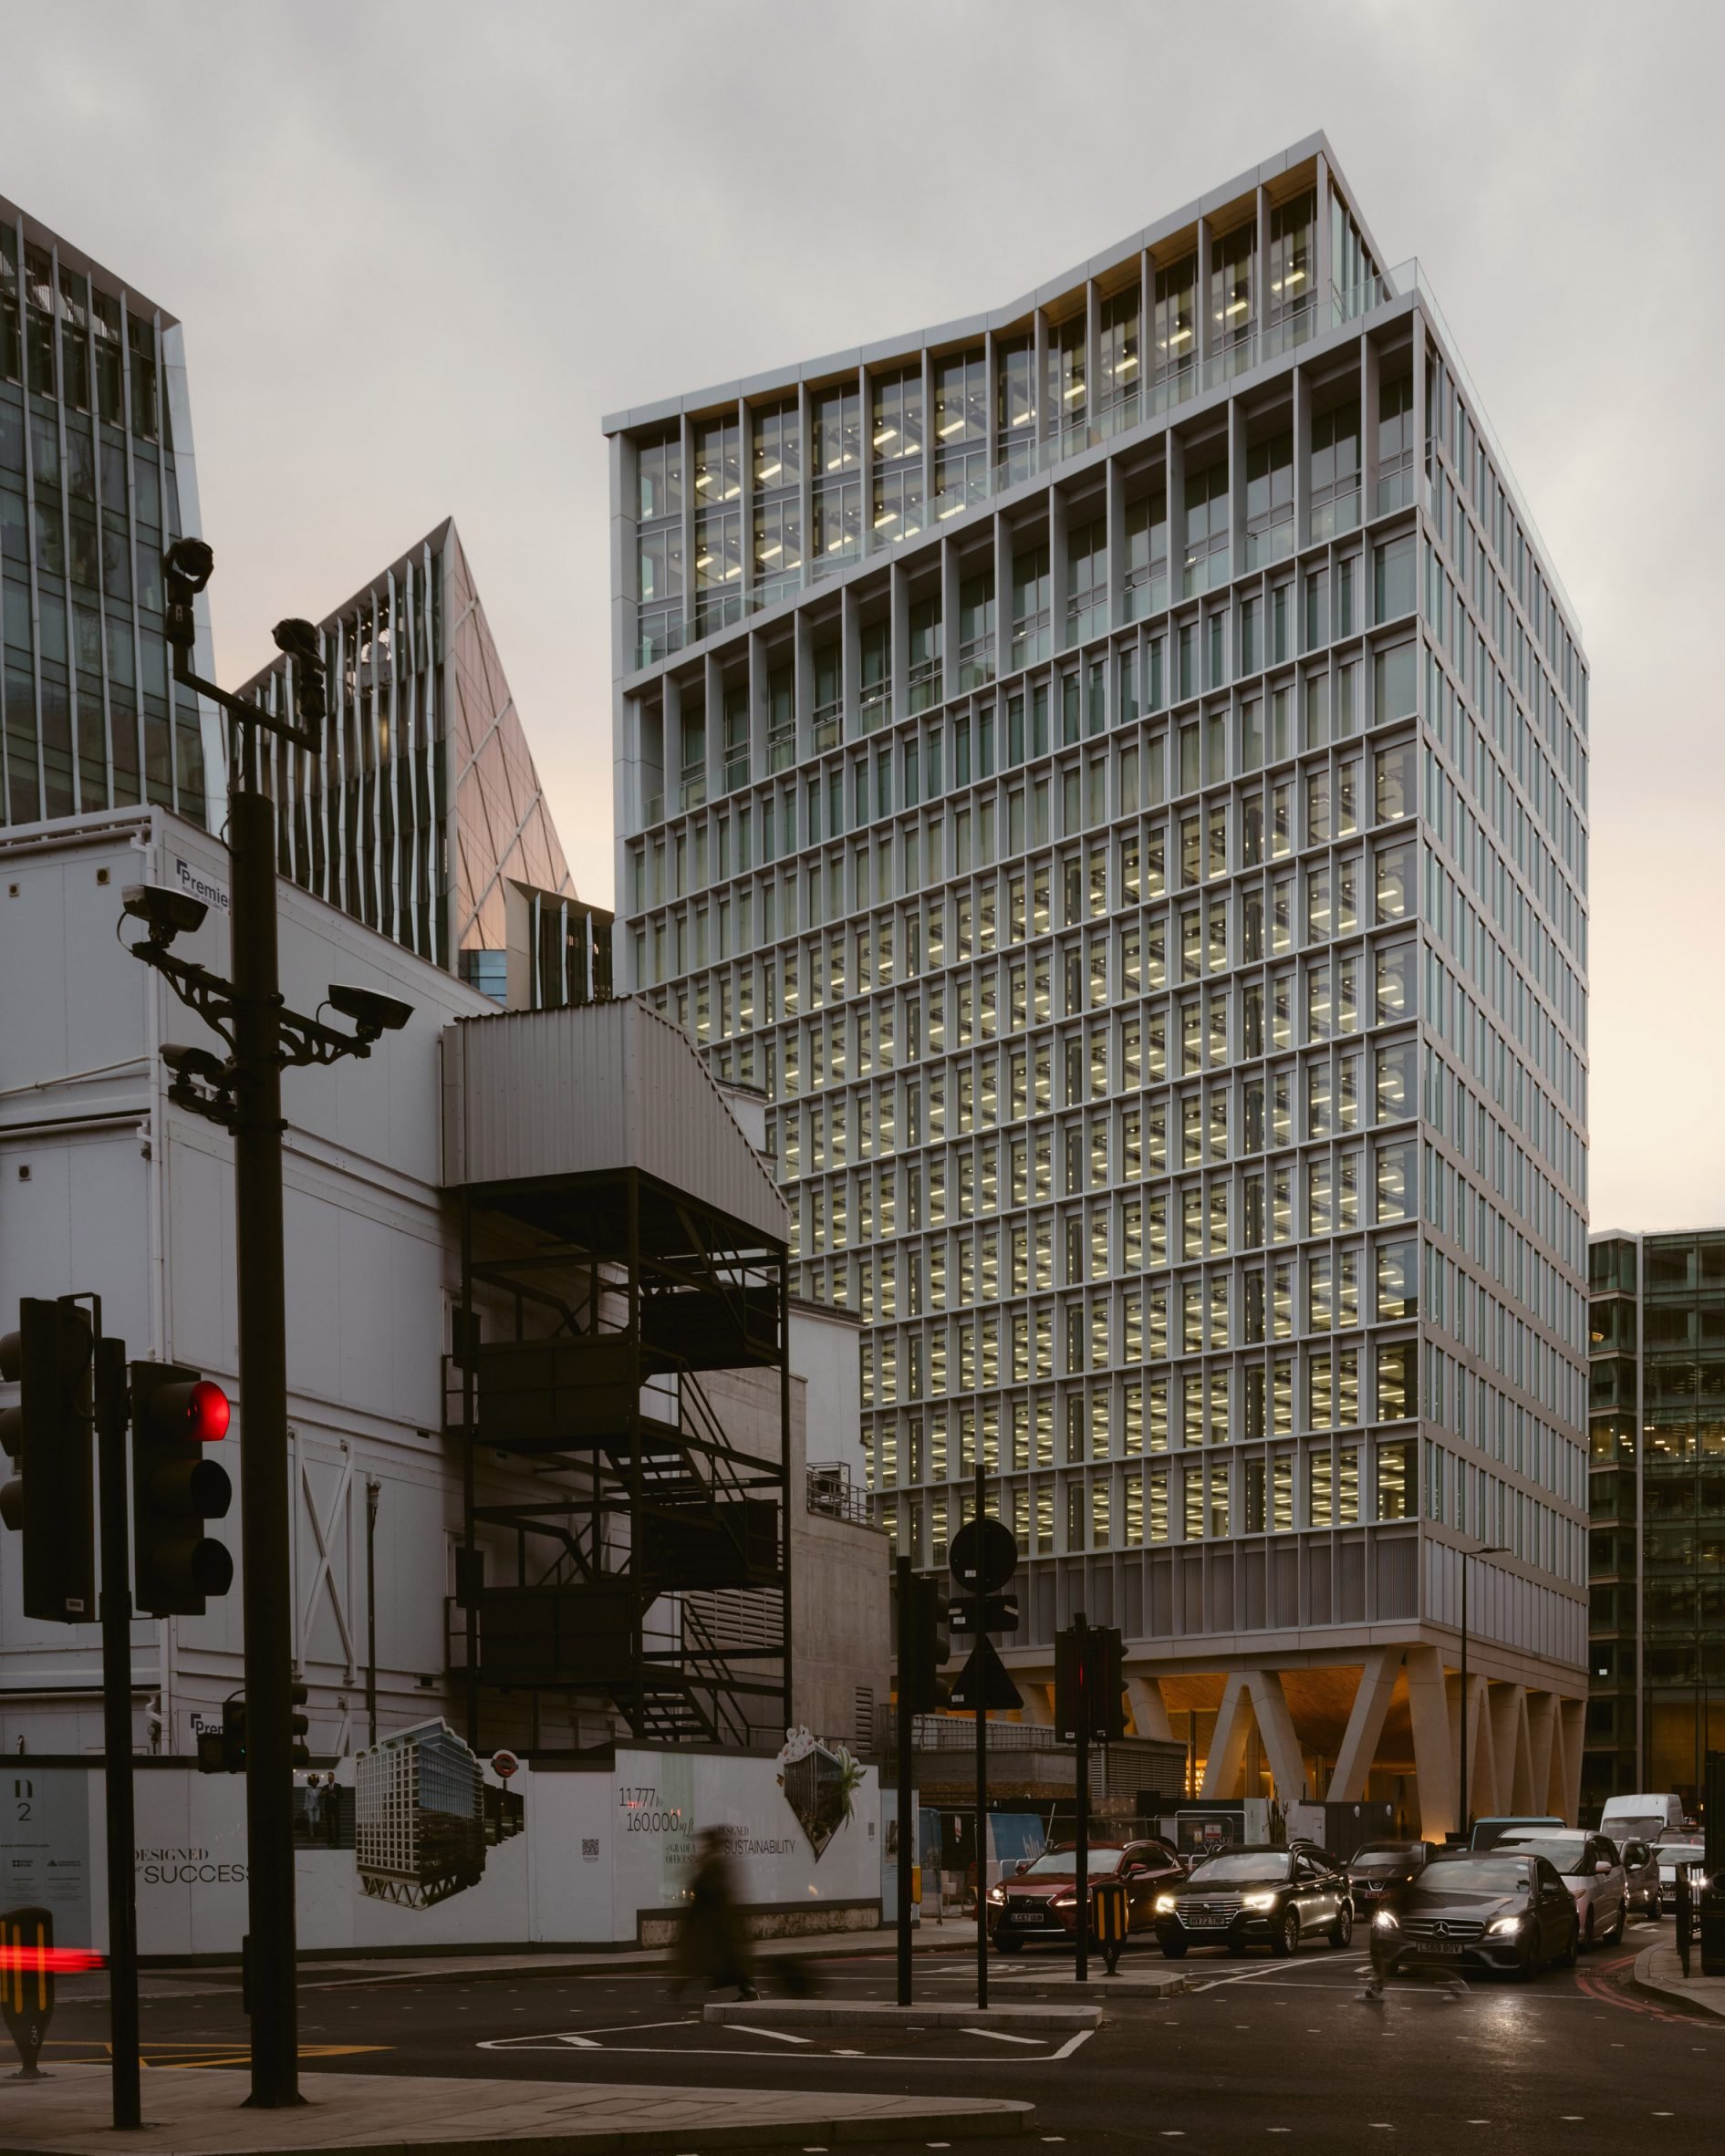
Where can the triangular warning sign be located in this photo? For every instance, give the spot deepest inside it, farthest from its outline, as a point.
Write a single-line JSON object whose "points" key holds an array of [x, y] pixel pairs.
{"points": [[999, 1692]]}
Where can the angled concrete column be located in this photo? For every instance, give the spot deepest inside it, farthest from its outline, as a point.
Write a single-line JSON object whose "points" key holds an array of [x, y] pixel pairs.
{"points": [[1543, 1746], [1275, 1727], [1149, 1710], [1510, 1744], [1480, 1795], [1037, 1709], [1503, 1715], [1226, 1760], [1572, 1716], [1365, 1725], [1434, 1751]]}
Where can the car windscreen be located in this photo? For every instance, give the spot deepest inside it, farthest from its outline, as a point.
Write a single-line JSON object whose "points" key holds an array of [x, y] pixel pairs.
{"points": [[1063, 1863], [1370, 1861], [1623, 1829], [1222, 1870], [1440, 1882], [1681, 1852], [1565, 1854]]}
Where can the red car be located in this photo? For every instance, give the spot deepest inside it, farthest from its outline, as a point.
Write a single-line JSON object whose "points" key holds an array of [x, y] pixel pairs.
{"points": [[1041, 1901]]}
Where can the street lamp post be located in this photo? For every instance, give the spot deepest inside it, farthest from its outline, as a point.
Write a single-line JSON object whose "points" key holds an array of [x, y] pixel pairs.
{"points": [[1486, 1549], [242, 1095]]}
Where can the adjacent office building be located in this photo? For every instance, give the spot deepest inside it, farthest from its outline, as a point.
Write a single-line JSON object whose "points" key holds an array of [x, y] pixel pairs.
{"points": [[1657, 1643], [1113, 769], [96, 476], [425, 818]]}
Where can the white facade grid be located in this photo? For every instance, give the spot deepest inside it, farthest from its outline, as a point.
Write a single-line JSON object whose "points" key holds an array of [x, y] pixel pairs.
{"points": [[1153, 896]]}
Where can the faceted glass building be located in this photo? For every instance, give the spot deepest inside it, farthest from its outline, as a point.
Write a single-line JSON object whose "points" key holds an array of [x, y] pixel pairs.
{"points": [[1657, 1643], [1113, 771], [425, 818], [96, 476]]}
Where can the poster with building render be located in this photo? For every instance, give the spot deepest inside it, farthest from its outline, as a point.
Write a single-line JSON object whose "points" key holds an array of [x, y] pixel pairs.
{"points": [[416, 1842]]}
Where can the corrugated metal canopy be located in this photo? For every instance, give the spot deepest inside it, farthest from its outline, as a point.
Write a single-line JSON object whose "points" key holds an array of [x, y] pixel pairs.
{"points": [[533, 1095]]}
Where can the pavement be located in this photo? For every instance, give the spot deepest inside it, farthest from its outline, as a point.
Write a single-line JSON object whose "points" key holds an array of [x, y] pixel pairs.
{"points": [[201, 2114], [1657, 1969]]}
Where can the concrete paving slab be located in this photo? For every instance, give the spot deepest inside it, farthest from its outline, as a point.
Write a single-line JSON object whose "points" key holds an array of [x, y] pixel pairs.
{"points": [[199, 2113], [879, 2014]]}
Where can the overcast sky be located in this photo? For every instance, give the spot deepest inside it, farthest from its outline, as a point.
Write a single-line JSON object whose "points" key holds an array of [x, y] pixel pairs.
{"points": [[419, 249]]}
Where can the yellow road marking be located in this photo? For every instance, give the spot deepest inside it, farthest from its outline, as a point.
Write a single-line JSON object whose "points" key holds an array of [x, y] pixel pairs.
{"points": [[205, 2054]]}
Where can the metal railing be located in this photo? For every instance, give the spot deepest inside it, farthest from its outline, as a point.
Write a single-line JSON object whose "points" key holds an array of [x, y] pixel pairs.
{"points": [[831, 1493]]}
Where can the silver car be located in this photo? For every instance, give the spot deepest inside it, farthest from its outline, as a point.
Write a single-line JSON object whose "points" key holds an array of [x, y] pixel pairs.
{"points": [[1590, 1869], [1642, 1883], [1670, 1854]]}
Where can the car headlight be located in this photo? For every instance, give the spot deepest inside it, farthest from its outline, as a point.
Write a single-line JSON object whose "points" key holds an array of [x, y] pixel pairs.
{"points": [[1385, 1920], [1505, 1927], [1257, 1901], [997, 1895], [1066, 1901], [1165, 1904]]}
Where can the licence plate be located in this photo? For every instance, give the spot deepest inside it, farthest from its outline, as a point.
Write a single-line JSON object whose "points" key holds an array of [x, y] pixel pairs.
{"points": [[1200, 1918], [1436, 1945], [1023, 1916]]}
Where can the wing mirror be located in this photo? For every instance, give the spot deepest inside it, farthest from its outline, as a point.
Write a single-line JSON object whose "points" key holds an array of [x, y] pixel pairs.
{"points": [[1601, 1870]]}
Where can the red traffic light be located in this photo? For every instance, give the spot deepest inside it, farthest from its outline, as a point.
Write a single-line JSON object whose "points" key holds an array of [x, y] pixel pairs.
{"points": [[208, 1412]]}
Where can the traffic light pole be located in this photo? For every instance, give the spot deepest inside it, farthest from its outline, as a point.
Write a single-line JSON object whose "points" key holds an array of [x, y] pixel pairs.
{"points": [[981, 1761], [263, 1493], [117, 1735], [907, 1822]]}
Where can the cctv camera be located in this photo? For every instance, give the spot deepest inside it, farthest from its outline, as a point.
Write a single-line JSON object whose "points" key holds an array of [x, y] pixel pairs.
{"points": [[195, 1063], [371, 1013], [165, 912], [299, 639], [191, 562]]}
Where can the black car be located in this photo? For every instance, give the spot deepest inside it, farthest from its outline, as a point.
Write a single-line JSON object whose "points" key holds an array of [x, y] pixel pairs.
{"points": [[1254, 1897], [1499, 1910], [1378, 1872]]}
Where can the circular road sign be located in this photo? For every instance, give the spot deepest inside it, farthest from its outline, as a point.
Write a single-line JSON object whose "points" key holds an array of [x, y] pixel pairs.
{"points": [[504, 1764], [983, 1546]]}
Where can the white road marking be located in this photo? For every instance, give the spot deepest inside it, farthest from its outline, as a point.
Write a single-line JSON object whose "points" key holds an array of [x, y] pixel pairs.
{"points": [[1273, 1968], [779, 2035], [999, 2036], [1070, 2045], [617, 2028]]}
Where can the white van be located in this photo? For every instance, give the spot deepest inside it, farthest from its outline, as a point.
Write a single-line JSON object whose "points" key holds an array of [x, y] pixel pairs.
{"points": [[1642, 1818]]}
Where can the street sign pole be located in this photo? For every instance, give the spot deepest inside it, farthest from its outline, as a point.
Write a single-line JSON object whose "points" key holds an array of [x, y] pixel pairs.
{"points": [[907, 1711], [111, 1416], [1081, 1864], [982, 1765]]}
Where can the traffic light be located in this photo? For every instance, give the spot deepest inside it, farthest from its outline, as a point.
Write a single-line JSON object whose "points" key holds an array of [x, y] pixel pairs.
{"points": [[48, 1434], [175, 1488], [222, 1751], [300, 642], [924, 1645], [1088, 1685], [298, 1727]]}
